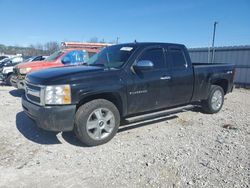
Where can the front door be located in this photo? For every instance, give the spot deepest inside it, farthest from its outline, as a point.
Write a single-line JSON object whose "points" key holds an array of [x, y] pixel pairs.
{"points": [[145, 89]]}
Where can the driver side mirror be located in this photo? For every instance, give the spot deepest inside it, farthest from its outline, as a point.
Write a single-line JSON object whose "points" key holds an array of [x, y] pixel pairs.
{"points": [[143, 65]]}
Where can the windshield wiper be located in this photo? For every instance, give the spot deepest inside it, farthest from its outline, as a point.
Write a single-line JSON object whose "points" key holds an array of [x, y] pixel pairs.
{"points": [[97, 65]]}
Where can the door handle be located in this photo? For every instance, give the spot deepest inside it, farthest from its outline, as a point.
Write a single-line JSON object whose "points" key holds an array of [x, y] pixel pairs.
{"points": [[166, 78]]}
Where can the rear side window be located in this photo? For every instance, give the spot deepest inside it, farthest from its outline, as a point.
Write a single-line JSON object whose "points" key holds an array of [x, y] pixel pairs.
{"points": [[155, 55], [178, 58]]}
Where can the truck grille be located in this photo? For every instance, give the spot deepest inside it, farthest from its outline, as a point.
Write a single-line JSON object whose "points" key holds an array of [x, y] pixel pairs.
{"points": [[33, 98], [34, 93], [33, 87], [20, 76]]}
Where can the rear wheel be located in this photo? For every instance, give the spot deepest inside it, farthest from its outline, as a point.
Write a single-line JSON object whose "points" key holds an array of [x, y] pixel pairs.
{"points": [[215, 100], [97, 122]]}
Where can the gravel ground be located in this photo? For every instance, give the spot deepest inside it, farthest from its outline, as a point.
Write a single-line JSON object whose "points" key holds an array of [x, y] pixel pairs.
{"points": [[189, 149]]}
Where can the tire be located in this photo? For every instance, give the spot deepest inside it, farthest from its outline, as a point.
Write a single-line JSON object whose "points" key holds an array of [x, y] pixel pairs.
{"points": [[8, 80], [96, 114], [215, 100]]}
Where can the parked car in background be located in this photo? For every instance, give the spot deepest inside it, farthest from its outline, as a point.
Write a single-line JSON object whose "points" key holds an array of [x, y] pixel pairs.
{"points": [[6, 68], [76, 56], [3, 57], [15, 59], [123, 81], [34, 58], [6, 71]]}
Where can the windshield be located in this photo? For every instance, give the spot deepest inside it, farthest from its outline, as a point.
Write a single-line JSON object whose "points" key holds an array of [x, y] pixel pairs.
{"points": [[3, 57], [54, 56], [112, 56], [5, 62], [28, 60]]}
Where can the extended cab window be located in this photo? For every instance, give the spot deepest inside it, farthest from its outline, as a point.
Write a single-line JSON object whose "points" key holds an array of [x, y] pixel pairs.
{"points": [[155, 55], [178, 58]]}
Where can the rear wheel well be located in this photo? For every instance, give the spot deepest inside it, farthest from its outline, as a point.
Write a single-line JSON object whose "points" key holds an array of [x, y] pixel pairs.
{"points": [[112, 97], [222, 83]]}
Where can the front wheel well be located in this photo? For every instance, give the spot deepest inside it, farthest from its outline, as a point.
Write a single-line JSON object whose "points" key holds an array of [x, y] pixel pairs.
{"points": [[10, 73], [112, 97], [222, 83]]}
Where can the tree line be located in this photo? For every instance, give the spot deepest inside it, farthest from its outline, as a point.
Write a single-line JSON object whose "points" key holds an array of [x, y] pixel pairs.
{"points": [[41, 49], [32, 50]]}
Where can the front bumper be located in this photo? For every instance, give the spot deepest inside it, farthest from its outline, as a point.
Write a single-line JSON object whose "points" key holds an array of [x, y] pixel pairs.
{"points": [[51, 118], [3, 77], [18, 82]]}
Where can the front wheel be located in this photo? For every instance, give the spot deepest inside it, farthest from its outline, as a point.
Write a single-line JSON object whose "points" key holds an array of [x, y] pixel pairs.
{"points": [[96, 122], [215, 100], [8, 80]]}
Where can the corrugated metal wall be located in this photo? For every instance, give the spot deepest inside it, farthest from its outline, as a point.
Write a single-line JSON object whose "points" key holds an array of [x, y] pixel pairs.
{"points": [[238, 55]]}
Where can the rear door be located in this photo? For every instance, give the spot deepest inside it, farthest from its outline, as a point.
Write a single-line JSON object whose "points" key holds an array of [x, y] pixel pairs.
{"points": [[181, 76], [144, 91]]}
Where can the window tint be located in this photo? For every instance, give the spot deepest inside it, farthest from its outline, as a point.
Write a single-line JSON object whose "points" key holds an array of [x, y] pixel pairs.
{"points": [[178, 58], [155, 55], [76, 57], [113, 56]]}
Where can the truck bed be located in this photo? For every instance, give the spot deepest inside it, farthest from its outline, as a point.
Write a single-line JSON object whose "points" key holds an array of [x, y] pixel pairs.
{"points": [[211, 64], [205, 73]]}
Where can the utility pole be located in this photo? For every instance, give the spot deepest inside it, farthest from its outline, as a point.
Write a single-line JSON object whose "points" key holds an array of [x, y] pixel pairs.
{"points": [[117, 40], [215, 23]]}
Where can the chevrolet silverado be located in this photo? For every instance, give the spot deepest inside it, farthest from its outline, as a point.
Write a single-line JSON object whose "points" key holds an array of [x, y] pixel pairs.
{"points": [[123, 81]]}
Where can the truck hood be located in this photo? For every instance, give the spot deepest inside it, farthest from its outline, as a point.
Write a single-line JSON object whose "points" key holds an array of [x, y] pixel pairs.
{"points": [[62, 75], [32, 64]]}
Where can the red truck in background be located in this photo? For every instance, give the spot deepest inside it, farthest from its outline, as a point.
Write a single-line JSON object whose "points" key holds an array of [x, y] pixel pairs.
{"points": [[72, 53]]}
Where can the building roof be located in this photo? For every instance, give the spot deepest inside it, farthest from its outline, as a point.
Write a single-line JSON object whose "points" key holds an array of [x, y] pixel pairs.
{"points": [[223, 48]]}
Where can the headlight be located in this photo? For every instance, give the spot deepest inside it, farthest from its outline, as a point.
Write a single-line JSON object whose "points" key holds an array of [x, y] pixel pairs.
{"points": [[25, 70], [60, 94]]}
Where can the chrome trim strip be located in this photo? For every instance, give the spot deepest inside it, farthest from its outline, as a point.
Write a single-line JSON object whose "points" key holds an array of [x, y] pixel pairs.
{"points": [[35, 93]]}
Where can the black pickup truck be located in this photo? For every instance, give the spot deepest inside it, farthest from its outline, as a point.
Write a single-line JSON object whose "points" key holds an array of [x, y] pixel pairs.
{"points": [[122, 81]]}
